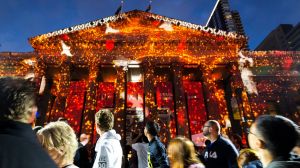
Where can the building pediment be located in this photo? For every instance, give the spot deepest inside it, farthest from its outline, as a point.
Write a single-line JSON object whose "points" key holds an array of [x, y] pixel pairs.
{"points": [[137, 34]]}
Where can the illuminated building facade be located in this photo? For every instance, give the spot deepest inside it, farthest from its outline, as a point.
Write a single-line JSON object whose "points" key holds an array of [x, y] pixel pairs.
{"points": [[144, 66]]}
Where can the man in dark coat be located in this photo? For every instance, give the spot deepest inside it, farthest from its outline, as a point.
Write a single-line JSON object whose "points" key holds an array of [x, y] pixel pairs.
{"points": [[219, 152], [19, 147]]}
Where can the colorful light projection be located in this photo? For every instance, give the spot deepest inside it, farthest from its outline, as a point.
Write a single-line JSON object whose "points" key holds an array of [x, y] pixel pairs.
{"points": [[195, 106], [105, 95], [165, 107], [134, 110], [135, 95], [74, 104]]}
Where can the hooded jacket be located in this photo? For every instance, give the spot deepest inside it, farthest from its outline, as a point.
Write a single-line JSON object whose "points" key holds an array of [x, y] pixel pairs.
{"points": [[109, 151]]}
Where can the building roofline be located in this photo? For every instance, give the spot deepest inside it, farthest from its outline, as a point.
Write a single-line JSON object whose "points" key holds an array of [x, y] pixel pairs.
{"points": [[212, 12], [114, 18]]}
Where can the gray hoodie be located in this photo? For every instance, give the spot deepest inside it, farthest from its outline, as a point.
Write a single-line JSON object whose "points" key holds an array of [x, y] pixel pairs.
{"points": [[109, 151]]}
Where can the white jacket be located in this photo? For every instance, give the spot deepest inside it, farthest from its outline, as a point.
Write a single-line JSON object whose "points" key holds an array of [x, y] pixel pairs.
{"points": [[109, 151]]}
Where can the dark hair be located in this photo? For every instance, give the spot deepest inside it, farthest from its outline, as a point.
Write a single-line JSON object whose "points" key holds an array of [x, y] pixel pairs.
{"points": [[104, 119], [278, 133], [246, 156], [153, 128], [145, 139], [36, 129], [17, 97]]}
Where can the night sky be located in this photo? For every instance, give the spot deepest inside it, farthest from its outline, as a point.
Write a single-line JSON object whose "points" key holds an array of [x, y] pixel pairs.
{"points": [[21, 19]]}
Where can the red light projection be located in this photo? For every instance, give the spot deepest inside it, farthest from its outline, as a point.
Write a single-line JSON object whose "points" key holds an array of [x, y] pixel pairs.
{"points": [[74, 104], [135, 95], [105, 95], [196, 106], [165, 106]]}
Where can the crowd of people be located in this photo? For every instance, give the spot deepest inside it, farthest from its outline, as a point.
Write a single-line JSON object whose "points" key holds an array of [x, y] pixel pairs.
{"points": [[274, 140]]}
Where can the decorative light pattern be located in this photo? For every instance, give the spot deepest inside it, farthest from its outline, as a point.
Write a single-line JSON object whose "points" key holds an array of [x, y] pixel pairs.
{"points": [[196, 106], [74, 104], [140, 39]]}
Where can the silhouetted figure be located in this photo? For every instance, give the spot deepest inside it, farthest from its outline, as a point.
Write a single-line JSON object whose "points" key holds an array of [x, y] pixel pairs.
{"points": [[148, 8], [119, 10]]}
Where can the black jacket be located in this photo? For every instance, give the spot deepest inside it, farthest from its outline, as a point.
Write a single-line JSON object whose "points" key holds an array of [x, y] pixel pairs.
{"points": [[220, 154], [81, 158], [19, 147]]}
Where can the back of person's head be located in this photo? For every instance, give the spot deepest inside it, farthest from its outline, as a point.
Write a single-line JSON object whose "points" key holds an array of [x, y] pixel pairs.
{"points": [[181, 153], [18, 99], [214, 125], [278, 133], [104, 119], [152, 128], [59, 139], [246, 156]]}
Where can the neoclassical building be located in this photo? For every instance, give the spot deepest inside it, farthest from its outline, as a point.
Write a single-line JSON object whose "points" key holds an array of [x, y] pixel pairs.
{"points": [[144, 66]]}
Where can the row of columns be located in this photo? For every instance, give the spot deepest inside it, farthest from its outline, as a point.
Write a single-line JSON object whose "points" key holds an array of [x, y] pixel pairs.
{"points": [[181, 115]]}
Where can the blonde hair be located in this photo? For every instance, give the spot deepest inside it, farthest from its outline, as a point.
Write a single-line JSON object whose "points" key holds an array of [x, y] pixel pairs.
{"points": [[181, 153], [59, 139]]}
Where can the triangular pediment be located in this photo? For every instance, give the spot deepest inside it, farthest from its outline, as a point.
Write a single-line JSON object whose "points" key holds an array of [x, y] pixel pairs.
{"points": [[138, 34]]}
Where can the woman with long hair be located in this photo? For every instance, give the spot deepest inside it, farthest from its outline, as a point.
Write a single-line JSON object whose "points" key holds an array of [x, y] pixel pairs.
{"points": [[182, 154]]}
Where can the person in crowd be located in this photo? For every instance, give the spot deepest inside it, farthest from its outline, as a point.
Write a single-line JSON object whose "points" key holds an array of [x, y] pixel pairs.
{"points": [[81, 158], [157, 156], [236, 139], [220, 152], [59, 140], [273, 138], [248, 159], [182, 154], [19, 145], [108, 148], [140, 145]]}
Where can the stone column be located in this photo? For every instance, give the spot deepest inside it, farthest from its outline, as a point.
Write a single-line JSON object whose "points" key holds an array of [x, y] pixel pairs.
{"points": [[120, 106], [150, 104], [42, 102], [180, 101], [88, 120], [63, 85]]}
